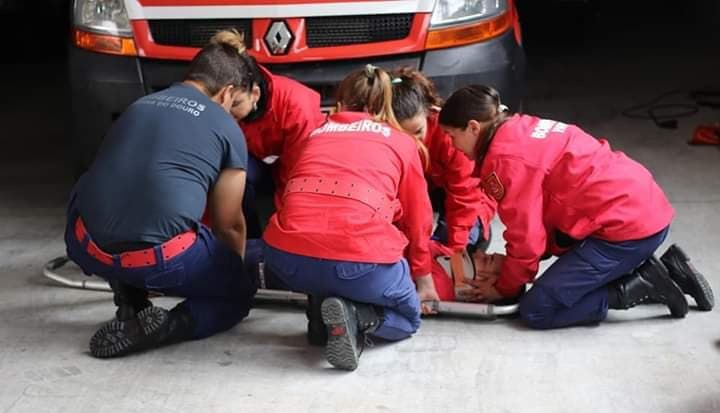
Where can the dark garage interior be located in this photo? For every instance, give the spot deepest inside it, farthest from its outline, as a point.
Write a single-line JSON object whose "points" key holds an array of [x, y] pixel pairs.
{"points": [[591, 63]]}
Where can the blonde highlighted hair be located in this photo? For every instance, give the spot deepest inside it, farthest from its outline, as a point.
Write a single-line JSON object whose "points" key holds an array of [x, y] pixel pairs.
{"points": [[370, 90], [223, 62], [232, 38]]}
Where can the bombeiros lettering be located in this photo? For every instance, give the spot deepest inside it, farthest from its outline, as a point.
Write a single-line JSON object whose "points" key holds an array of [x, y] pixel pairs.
{"points": [[545, 126], [184, 104], [364, 125]]}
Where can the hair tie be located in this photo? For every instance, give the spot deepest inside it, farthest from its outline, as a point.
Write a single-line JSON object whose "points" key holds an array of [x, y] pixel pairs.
{"points": [[396, 80], [370, 70], [503, 108]]}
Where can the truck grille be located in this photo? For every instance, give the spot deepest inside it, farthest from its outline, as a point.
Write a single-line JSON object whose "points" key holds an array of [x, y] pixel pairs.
{"points": [[347, 30], [195, 33], [321, 31]]}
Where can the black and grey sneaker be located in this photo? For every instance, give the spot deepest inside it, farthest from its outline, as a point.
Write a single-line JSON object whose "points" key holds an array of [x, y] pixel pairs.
{"points": [[348, 324], [690, 280], [118, 338], [343, 348]]}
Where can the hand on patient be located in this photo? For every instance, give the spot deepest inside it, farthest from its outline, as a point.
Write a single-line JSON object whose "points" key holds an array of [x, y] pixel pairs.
{"points": [[487, 272], [426, 292], [483, 289]]}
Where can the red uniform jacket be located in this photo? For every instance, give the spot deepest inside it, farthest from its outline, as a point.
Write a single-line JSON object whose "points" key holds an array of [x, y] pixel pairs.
{"points": [[293, 112], [549, 176], [357, 193], [452, 171]]}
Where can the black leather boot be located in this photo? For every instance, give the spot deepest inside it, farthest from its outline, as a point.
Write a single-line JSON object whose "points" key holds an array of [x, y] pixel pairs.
{"points": [[180, 327], [688, 278], [152, 327], [650, 281], [347, 324], [317, 333], [129, 300]]}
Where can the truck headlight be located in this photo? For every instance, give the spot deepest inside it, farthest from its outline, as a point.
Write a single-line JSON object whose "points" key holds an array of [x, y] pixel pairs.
{"points": [[452, 12], [462, 22], [102, 16]]}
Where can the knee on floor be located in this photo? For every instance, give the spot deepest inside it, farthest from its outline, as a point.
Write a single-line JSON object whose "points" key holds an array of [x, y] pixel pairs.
{"points": [[537, 309]]}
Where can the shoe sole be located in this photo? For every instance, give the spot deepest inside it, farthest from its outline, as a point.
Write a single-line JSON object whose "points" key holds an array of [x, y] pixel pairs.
{"points": [[696, 285], [340, 351], [670, 285], [112, 340]]}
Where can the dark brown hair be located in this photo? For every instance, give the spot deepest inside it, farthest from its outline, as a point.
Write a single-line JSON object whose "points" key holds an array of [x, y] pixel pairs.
{"points": [[223, 62], [473, 102], [412, 93]]}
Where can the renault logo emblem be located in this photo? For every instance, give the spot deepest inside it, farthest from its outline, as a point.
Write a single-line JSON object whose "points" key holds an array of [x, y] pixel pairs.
{"points": [[278, 38]]}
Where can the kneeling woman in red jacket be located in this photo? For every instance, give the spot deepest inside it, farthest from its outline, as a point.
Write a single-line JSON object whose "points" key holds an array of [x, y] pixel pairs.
{"points": [[356, 201], [276, 117], [465, 211], [560, 191]]}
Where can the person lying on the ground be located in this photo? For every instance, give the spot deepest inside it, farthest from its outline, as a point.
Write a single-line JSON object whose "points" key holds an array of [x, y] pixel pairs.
{"points": [[455, 275]]}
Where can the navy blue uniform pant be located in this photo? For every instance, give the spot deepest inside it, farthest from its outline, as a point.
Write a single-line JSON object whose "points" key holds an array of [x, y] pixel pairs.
{"points": [[475, 236], [385, 285], [209, 275], [574, 290], [258, 183]]}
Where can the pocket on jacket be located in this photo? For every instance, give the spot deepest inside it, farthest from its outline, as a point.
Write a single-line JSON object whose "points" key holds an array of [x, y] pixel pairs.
{"points": [[603, 255]]}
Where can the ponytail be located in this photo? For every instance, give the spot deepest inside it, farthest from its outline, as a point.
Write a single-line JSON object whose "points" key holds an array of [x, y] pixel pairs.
{"points": [[370, 90], [379, 100], [473, 102], [235, 40], [223, 62], [414, 95], [230, 37]]}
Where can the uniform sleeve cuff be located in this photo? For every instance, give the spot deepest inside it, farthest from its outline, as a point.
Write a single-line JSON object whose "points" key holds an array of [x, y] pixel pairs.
{"points": [[508, 288], [420, 271]]}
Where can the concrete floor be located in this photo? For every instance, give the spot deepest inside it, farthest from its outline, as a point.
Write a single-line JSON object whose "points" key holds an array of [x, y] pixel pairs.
{"points": [[637, 361]]}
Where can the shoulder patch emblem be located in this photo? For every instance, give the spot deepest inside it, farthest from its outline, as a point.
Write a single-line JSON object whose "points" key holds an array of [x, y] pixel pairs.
{"points": [[492, 186]]}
